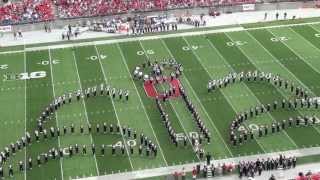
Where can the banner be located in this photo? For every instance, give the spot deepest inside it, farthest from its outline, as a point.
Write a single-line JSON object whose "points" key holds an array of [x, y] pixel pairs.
{"points": [[5, 28], [248, 7]]}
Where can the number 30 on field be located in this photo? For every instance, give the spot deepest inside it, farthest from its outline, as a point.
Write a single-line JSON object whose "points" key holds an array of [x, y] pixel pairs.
{"points": [[277, 39], [236, 43]]}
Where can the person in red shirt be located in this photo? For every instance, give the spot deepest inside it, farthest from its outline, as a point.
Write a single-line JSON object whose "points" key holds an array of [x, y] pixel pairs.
{"points": [[194, 173]]}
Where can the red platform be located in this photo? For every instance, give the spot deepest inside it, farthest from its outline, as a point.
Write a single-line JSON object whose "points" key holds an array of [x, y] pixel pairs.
{"points": [[151, 91]]}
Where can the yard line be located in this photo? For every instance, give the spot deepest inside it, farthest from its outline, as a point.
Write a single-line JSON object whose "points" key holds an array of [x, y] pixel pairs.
{"points": [[198, 58], [114, 107], [142, 105], [56, 114], [85, 109], [275, 59], [202, 107], [25, 111], [298, 53], [178, 117], [278, 62], [284, 132], [294, 52]]}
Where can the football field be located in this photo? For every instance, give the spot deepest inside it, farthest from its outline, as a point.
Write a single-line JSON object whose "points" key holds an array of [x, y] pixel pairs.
{"points": [[31, 79]]}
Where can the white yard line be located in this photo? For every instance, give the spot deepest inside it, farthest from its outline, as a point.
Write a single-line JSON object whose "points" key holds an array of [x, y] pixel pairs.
{"points": [[141, 103], [202, 107], [188, 167], [114, 107], [303, 61], [269, 114], [25, 112], [142, 38], [177, 114], [226, 97], [298, 54], [278, 62], [56, 114], [85, 109]]}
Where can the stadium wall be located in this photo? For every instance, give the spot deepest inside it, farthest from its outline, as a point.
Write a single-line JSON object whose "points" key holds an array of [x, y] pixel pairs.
{"points": [[58, 24]]}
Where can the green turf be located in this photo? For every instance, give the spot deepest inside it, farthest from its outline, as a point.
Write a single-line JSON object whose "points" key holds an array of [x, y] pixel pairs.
{"points": [[205, 57]]}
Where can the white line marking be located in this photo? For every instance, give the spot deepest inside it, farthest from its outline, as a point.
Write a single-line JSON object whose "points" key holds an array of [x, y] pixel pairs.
{"points": [[85, 108], [203, 109], [303, 59], [114, 107], [25, 113], [198, 58], [56, 114], [142, 105], [177, 114], [269, 114]]}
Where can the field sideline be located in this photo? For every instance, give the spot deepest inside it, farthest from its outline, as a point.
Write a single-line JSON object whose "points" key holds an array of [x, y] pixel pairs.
{"points": [[291, 52]]}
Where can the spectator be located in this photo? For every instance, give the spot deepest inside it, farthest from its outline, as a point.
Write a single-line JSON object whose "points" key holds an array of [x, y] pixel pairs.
{"points": [[272, 177], [250, 168], [26, 11], [194, 173], [183, 174]]}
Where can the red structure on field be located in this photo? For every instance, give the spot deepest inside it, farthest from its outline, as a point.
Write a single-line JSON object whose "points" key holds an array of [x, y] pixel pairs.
{"points": [[151, 91]]}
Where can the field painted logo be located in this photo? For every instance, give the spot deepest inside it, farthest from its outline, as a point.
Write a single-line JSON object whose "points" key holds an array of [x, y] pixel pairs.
{"points": [[24, 76], [161, 83]]}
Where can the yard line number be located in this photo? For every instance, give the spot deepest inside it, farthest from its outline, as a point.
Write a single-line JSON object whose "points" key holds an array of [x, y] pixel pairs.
{"points": [[94, 57], [148, 52], [279, 39], [236, 43], [317, 35], [46, 62], [130, 142], [255, 127], [189, 48]]}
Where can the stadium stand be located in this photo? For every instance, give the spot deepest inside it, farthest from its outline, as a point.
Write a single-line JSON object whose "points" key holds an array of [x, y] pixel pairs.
{"points": [[26, 11]]}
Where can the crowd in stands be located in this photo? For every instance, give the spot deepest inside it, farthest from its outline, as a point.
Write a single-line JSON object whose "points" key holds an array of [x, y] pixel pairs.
{"points": [[25, 11], [85, 8]]}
